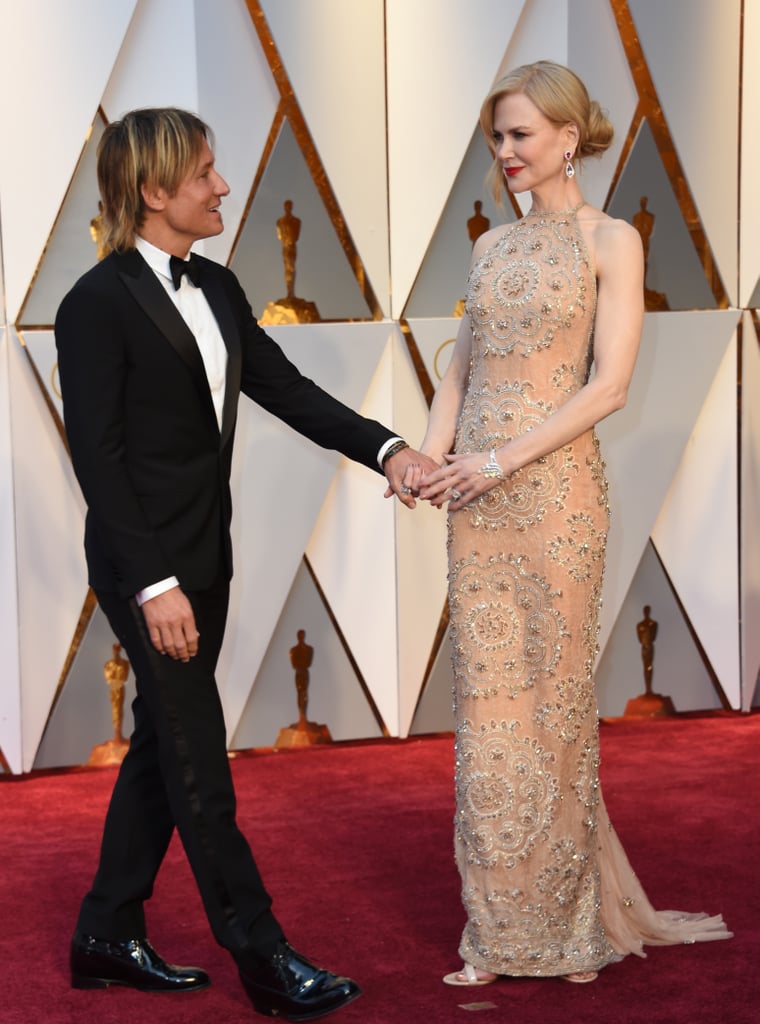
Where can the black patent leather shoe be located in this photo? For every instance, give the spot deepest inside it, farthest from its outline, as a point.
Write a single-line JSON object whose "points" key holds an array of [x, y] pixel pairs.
{"points": [[98, 963], [290, 986]]}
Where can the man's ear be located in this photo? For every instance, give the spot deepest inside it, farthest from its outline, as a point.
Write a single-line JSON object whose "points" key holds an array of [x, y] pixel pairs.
{"points": [[153, 196]]}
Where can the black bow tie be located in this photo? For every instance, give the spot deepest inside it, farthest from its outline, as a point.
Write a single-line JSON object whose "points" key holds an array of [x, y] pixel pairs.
{"points": [[190, 267]]}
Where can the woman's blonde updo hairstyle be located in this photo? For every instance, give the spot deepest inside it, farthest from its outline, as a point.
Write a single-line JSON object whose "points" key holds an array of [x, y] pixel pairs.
{"points": [[561, 97]]}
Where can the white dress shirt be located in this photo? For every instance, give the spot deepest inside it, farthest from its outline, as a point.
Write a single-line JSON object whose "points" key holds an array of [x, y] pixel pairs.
{"points": [[196, 312]]}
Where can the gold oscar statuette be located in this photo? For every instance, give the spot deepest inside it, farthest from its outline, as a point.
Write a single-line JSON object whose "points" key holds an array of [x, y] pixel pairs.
{"points": [[302, 733], [648, 704], [290, 309], [643, 221], [112, 752], [476, 226], [97, 232]]}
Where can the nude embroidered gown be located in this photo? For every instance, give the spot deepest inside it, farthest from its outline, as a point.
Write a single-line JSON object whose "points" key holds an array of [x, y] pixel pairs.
{"points": [[545, 883]]}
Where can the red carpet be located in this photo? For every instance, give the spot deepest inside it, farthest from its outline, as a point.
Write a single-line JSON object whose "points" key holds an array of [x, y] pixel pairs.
{"points": [[355, 842]]}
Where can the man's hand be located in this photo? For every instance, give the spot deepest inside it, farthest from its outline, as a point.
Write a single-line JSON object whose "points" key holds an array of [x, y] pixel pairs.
{"points": [[395, 469], [171, 624]]}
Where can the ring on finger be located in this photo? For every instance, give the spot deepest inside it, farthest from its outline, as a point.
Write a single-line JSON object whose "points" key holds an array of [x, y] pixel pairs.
{"points": [[405, 489], [455, 494]]}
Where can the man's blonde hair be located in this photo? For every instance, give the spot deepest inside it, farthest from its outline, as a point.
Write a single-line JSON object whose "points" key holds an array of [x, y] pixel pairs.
{"points": [[155, 146]]}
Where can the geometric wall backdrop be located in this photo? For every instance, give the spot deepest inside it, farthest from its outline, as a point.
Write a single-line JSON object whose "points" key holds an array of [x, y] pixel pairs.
{"points": [[363, 117], [674, 274], [69, 251], [322, 268], [749, 251], [679, 668], [749, 567], [689, 92], [681, 413], [706, 576], [10, 718]]}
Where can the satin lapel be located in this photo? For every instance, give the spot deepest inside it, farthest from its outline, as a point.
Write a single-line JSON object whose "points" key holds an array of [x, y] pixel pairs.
{"points": [[222, 310], [153, 300]]}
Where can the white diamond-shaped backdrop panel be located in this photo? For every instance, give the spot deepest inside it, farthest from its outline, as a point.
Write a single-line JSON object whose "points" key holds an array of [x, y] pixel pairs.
{"points": [[10, 692], [435, 338], [696, 531], [355, 532], [434, 96], [321, 272], [345, 111], [232, 64], [41, 347], [335, 695], [643, 443], [82, 716], [71, 248], [352, 554], [750, 509], [679, 669], [420, 551], [605, 72], [148, 73], [541, 33], [435, 711], [749, 213], [696, 91], [280, 482], [45, 126], [43, 481]]}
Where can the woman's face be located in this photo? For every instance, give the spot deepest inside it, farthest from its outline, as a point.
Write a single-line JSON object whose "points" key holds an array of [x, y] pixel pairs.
{"points": [[530, 148]]}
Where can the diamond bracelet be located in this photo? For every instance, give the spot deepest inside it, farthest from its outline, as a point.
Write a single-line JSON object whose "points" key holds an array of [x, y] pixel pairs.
{"points": [[492, 468]]}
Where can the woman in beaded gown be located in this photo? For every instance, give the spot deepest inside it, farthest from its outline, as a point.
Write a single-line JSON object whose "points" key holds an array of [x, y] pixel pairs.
{"points": [[546, 885]]}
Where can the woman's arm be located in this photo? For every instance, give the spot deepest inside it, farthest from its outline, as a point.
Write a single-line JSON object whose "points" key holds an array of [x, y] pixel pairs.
{"points": [[449, 396]]}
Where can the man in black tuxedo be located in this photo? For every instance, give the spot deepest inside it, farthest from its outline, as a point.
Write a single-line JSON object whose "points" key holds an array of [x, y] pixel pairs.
{"points": [[153, 351]]}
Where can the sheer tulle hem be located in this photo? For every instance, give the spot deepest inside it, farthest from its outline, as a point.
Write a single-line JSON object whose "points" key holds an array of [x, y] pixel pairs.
{"points": [[630, 921]]}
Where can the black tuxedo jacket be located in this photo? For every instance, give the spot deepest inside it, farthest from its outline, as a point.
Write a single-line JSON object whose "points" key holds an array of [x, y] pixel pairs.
{"points": [[153, 465]]}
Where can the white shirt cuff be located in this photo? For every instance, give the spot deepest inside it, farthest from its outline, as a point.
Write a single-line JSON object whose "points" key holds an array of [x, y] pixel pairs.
{"points": [[384, 449], [155, 589]]}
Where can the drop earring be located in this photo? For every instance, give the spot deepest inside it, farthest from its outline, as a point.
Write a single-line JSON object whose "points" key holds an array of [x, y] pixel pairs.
{"points": [[569, 169]]}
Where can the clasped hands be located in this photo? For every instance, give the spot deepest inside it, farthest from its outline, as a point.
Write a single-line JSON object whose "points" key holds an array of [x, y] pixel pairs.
{"points": [[458, 481]]}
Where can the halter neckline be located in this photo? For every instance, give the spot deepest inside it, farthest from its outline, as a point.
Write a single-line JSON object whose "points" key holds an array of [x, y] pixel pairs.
{"points": [[556, 213]]}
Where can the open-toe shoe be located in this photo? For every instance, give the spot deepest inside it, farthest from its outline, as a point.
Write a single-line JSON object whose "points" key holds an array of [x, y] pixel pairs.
{"points": [[469, 976], [581, 977]]}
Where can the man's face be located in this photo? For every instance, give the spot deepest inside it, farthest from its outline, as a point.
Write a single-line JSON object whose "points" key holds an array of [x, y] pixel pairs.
{"points": [[194, 211]]}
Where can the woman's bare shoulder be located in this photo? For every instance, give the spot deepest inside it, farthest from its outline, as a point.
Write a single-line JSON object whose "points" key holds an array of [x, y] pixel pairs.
{"points": [[611, 229], [610, 237]]}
